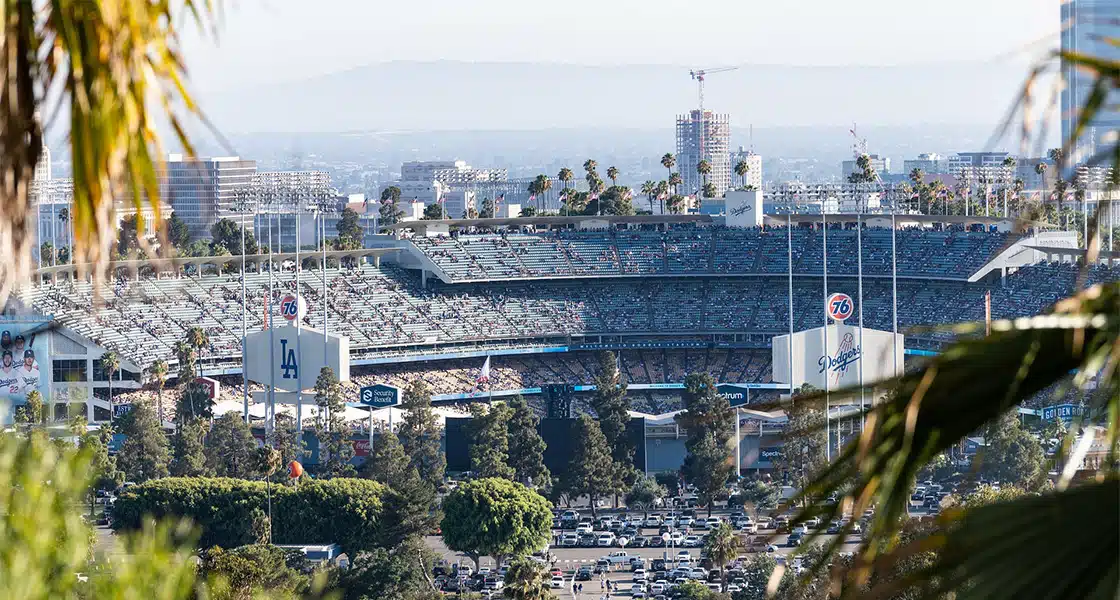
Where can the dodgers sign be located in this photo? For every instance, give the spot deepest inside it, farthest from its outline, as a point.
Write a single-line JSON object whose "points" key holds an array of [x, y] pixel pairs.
{"points": [[380, 395], [839, 307], [292, 306]]}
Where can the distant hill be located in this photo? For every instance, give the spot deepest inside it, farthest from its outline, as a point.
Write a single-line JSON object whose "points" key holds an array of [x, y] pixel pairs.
{"points": [[447, 95]]}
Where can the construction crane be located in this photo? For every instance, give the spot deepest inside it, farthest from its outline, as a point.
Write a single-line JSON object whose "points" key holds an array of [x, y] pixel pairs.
{"points": [[698, 76]]}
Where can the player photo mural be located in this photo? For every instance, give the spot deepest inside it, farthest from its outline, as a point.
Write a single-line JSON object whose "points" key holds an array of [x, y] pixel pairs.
{"points": [[23, 353]]}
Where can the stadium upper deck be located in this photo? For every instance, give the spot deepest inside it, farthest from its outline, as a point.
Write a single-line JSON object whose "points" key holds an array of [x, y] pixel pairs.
{"points": [[698, 251]]}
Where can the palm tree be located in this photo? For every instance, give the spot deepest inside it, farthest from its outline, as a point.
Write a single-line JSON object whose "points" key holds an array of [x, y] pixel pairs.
{"points": [[527, 580], [157, 376], [662, 193], [649, 188], [722, 547], [64, 217], [565, 176], [741, 169], [197, 339], [535, 187], [675, 182], [546, 185], [669, 161], [101, 66], [590, 165], [612, 174], [704, 168], [110, 364]]}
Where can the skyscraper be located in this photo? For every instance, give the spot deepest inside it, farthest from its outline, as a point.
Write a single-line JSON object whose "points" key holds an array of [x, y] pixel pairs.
{"points": [[716, 150], [1087, 27], [202, 191]]}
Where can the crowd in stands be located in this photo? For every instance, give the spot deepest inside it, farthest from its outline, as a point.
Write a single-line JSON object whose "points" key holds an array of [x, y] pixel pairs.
{"points": [[953, 254], [387, 310]]}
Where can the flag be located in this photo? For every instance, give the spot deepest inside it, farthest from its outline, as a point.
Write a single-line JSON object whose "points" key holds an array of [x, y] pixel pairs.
{"points": [[500, 198], [442, 199], [532, 197], [484, 374]]}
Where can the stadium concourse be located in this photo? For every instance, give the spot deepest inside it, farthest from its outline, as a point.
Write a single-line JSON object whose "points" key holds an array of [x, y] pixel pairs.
{"points": [[675, 298]]}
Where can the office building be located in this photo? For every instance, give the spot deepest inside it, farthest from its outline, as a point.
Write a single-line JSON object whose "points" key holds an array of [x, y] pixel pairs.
{"points": [[754, 168], [713, 146], [456, 182], [202, 191], [43, 166], [931, 163], [1089, 27]]}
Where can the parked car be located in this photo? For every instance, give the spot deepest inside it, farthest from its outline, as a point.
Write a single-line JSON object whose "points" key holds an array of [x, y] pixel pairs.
{"points": [[605, 540], [652, 521], [557, 582], [617, 558], [583, 574]]}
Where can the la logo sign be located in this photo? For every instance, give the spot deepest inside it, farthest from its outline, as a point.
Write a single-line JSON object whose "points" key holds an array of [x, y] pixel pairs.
{"points": [[839, 307]]}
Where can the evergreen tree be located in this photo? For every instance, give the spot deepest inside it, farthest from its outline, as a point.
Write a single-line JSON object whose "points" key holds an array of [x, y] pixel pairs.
{"points": [[144, 453], [285, 439], [103, 466], [526, 447], [31, 412], [710, 423], [188, 458], [612, 406], [1011, 455], [803, 453], [231, 450], [335, 449], [420, 434], [489, 437], [349, 228], [387, 462], [591, 470], [178, 234]]}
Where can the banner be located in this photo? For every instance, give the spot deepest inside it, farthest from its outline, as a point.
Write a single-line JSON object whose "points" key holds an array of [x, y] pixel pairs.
{"points": [[24, 362]]}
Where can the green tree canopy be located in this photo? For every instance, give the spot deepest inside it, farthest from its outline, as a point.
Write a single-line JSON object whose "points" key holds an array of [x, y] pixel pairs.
{"points": [[591, 470], [258, 568], [188, 455], [335, 449], [144, 453], [227, 234], [495, 517], [489, 439], [644, 494], [526, 446], [349, 228], [612, 407], [420, 434], [178, 234], [231, 450], [710, 423]]}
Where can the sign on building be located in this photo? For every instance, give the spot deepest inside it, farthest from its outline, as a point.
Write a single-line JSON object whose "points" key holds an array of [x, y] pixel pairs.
{"points": [[292, 358], [1065, 412], [380, 395], [737, 395], [832, 356]]}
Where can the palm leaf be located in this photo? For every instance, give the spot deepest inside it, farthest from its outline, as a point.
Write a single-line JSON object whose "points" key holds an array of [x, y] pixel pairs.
{"points": [[955, 394], [1059, 545]]}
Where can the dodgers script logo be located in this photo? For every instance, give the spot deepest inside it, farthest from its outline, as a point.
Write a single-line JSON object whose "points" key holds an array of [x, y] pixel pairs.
{"points": [[288, 361], [846, 353]]}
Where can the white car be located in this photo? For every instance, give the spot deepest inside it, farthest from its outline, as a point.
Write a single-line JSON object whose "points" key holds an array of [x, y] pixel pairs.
{"points": [[698, 573], [692, 541], [658, 587], [685, 521], [684, 558], [639, 575], [557, 582], [637, 589], [652, 521], [584, 530], [734, 587], [605, 540], [713, 522]]}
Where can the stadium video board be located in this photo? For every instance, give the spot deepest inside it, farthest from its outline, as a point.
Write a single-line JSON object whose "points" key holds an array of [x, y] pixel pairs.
{"points": [[24, 362]]}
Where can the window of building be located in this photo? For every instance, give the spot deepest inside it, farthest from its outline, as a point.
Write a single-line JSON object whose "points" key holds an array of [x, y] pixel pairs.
{"points": [[68, 370]]}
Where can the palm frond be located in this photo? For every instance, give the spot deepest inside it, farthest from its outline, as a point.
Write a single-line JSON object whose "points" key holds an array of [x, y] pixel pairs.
{"points": [[956, 393]]}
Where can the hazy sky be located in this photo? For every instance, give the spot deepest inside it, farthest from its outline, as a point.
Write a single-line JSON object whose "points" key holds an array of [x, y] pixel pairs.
{"points": [[262, 41]]}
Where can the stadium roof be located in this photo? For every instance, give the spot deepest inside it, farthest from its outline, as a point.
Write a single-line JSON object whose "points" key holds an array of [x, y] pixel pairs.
{"points": [[775, 219], [552, 221], [1078, 252]]}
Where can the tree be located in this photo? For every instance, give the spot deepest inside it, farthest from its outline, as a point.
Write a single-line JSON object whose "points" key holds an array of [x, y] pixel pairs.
{"points": [[144, 453], [676, 204], [178, 233], [709, 190], [188, 454], [704, 168], [526, 446], [612, 174], [226, 233], [335, 450], [741, 169], [390, 213], [760, 495], [565, 176], [804, 450], [286, 440], [231, 449], [489, 439], [257, 569], [591, 470], [47, 255], [612, 407], [710, 422], [64, 218], [649, 188], [198, 339], [127, 240], [529, 211], [723, 547], [420, 434], [398, 573], [194, 402], [387, 462], [590, 165], [669, 161], [433, 212], [662, 192], [527, 580], [31, 411], [157, 376], [1011, 455], [645, 493], [495, 517], [349, 228], [110, 364], [487, 211]]}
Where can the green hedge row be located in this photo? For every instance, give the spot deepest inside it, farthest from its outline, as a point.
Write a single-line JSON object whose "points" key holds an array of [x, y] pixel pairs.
{"points": [[343, 511]]}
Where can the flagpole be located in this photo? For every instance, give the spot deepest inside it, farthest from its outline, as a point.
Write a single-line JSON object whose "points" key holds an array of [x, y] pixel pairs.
{"points": [[789, 259], [270, 408], [299, 318], [244, 326], [894, 293]]}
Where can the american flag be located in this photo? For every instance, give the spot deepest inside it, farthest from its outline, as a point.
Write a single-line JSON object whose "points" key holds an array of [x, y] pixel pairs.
{"points": [[500, 198], [484, 374]]}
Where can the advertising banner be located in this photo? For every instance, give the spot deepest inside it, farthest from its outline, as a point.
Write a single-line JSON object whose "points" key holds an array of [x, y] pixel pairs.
{"points": [[24, 362]]}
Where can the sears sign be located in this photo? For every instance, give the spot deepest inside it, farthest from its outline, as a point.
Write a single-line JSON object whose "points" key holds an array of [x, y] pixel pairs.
{"points": [[736, 395], [380, 395]]}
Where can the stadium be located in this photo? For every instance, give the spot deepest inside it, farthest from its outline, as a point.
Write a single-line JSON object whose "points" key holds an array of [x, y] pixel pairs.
{"points": [[534, 299]]}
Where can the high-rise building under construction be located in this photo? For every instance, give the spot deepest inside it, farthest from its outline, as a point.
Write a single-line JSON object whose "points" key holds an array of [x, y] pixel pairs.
{"points": [[705, 137]]}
